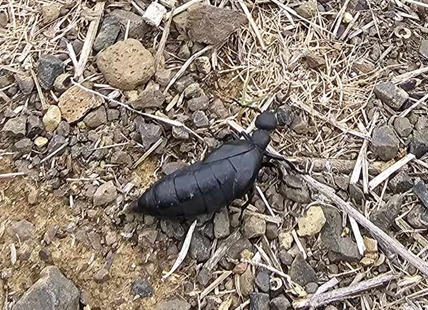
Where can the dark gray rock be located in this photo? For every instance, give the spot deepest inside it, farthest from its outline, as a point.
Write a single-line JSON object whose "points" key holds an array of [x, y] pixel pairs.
{"points": [[384, 143], [212, 25], [423, 49], [254, 227], [63, 129], [401, 183], [421, 123], [173, 166], [285, 257], [141, 288], [391, 95], [138, 29], [418, 217], [301, 272], [295, 189], [96, 118], [343, 248], [199, 247], [419, 143], [108, 33], [272, 231], [21, 230], [217, 107], [35, 126], [259, 301], [403, 127], [277, 201], [262, 281], [150, 133], [234, 252], [204, 276], [15, 127], [121, 158], [163, 76], [180, 133], [221, 224], [25, 83], [198, 103], [23, 146], [182, 83], [356, 193], [311, 287], [385, 216], [52, 291], [55, 143], [342, 181], [148, 98], [50, 67], [113, 114], [280, 303], [200, 119], [172, 228], [173, 304]]}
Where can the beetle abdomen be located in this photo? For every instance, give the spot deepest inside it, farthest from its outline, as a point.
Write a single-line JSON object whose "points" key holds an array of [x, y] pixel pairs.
{"points": [[203, 187]]}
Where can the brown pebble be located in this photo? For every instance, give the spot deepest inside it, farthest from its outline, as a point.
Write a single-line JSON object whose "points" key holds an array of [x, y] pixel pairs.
{"points": [[102, 275], [240, 268]]}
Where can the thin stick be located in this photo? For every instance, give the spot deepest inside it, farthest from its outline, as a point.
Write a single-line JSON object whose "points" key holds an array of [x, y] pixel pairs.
{"points": [[182, 8], [11, 175], [147, 153], [55, 152], [409, 109], [357, 235], [313, 112], [405, 76], [185, 66], [319, 300], [45, 105], [215, 283], [89, 41], [252, 23], [184, 250], [222, 250], [390, 170], [162, 42]]}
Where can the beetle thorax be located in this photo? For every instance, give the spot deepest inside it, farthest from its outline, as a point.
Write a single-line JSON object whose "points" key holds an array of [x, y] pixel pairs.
{"points": [[261, 138]]}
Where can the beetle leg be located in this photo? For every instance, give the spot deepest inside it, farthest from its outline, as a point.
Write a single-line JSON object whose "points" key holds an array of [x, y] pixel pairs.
{"points": [[281, 158], [250, 195]]}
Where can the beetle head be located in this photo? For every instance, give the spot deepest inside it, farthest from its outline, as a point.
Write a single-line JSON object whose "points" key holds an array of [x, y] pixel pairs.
{"points": [[261, 138], [266, 121]]}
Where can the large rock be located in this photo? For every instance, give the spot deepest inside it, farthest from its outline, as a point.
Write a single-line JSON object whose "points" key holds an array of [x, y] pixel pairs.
{"points": [[419, 142], [50, 67], [108, 33], [105, 194], [138, 29], [15, 127], [126, 64], [341, 248], [391, 95], [212, 25], [384, 143], [76, 102], [301, 272], [52, 291]]}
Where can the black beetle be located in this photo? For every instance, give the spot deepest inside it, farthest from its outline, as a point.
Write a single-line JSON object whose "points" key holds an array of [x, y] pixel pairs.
{"points": [[227, 173]]}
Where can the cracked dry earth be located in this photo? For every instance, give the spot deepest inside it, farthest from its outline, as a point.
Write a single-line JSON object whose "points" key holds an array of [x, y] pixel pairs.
{"points": [[92, 114]]}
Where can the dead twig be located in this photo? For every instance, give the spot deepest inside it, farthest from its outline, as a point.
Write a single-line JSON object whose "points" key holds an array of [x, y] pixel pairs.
{"points": [[319, 300]]}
